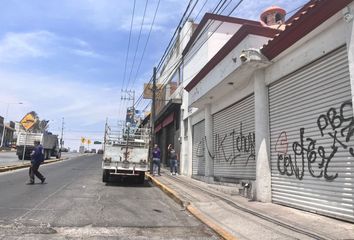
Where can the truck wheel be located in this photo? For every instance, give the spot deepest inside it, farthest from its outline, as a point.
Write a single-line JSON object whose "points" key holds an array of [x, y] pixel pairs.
{"points": [[105, 176], [142, 177]]}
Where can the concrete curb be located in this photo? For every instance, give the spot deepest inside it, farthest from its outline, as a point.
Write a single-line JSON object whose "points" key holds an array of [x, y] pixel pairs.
{"points": [[171, 193], [210, 223], [194, 211], [26, 165]]}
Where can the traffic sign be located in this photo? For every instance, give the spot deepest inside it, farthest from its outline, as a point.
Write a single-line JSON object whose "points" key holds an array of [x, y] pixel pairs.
{"points": [[83, 140], [28, 121], [88, 141]]}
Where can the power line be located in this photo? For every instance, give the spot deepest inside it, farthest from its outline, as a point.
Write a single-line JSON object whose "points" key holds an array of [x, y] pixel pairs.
{"points": [[177, 28], [137, 45], [142, 56], [217, 9], [128, 49], [140, 97], [146, 43], [234, 8], [130, 33], [212, 31]]}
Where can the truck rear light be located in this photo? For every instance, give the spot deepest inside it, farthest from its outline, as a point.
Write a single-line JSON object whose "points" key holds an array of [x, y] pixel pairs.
{"points": [[107, 160]]}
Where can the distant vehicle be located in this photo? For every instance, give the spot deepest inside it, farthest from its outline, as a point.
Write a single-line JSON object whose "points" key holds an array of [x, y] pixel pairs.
{"points": [[87, 151], [93, 150], [125, 152], [81, 149], [100, 151], [64, 149], [25, 143]]}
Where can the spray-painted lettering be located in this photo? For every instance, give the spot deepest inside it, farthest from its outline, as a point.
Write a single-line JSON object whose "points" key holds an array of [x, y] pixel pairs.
{"points": [[308, 154], [242, 144]]}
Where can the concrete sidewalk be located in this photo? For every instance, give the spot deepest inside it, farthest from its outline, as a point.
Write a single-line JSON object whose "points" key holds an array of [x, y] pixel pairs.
{"points": [[235, 217]]}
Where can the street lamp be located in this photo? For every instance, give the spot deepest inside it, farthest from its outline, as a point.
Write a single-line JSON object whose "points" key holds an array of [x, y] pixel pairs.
{"points": [[4, 128]]}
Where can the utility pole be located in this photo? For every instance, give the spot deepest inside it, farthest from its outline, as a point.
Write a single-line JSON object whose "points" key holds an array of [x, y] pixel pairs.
{"points": [[152, 120], [129, 95], [62, 133]]}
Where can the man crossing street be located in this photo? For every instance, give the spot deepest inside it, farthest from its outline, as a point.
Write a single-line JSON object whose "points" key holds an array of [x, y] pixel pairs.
{"points": [[37, 157]]}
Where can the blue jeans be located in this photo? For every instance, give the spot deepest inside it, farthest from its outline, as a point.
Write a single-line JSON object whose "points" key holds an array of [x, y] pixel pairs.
{"points": [[156, 165], [173, 165]]}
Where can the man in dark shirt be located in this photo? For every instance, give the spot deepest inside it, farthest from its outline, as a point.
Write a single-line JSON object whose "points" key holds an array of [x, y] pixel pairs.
{"points": [[172, 155], [37, 157], [156, 157]]}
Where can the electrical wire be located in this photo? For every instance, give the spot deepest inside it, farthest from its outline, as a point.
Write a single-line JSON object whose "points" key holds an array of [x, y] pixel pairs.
{"points": [[180, 41], [138, 41], [130, 33], [218, 9], [146, 43], [174, 34], [128, 49]]}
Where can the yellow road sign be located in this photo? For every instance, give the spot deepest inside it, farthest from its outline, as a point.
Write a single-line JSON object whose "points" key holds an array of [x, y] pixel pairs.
{"points": [[89, 141], [83, 140], [28, 121]]}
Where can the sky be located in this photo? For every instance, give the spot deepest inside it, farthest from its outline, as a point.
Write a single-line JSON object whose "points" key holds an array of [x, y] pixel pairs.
{"points": [[69, 58]]}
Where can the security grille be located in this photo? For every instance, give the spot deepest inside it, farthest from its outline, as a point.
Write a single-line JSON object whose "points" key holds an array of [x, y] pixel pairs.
{"points": [[234, 141], [312, 125], [198, 161]]}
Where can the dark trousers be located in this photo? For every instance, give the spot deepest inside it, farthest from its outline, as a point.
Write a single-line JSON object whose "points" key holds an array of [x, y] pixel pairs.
{"points": [[33, 170]]}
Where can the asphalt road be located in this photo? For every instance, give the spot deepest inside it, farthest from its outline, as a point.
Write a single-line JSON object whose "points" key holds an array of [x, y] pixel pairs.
{"points": [[8, 157], [75, 204]]}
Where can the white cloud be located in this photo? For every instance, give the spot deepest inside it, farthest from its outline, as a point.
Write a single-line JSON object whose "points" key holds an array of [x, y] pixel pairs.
{"points": [[84, 106], [41, 44], [116, 15], [53, 96], [22, 45]]}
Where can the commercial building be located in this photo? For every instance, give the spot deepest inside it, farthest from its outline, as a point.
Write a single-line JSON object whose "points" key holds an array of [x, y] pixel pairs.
{"points": [[268, 106]]}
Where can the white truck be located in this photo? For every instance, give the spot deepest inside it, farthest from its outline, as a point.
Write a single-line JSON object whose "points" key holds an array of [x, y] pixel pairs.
{"points": [[125, 152], [25, 144]]}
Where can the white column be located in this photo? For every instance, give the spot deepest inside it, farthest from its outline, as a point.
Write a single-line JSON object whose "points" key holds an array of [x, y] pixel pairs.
{"points": [[190, 148], [350, 45], [209, 161], [263, 167]]}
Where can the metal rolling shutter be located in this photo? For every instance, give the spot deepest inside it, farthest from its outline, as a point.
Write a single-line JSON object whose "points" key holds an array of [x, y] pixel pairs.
{"points": [[234, 141], [317, 101], [198, 161]]}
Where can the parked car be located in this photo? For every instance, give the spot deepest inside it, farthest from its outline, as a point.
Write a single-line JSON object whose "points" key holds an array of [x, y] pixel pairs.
{"points": [[100, 151]]}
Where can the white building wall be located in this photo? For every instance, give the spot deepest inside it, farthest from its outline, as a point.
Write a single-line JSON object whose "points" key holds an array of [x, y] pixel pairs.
{"points": [[318, 43], [223, 34], [206, 47], [185, 35], [330, 35], [224, 68], [194, 61], [350, 45]]}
